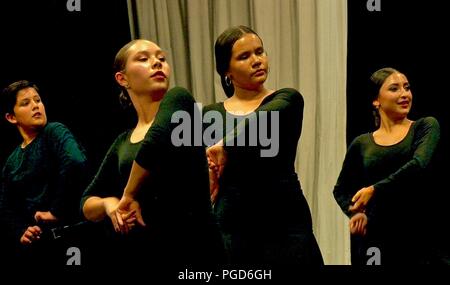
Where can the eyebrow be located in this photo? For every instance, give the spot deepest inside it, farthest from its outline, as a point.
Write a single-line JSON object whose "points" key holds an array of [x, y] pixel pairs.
{"points": [[158, 52]]}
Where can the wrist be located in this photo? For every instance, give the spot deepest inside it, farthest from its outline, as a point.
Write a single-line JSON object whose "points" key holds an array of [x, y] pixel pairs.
{"points": [[109, 204]]}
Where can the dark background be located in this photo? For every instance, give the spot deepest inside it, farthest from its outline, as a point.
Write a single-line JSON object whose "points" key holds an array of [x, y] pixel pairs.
{"points": [[411, 36], [70, 55]]}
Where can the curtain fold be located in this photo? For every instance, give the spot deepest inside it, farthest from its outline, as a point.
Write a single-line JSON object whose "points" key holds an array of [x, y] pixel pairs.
{"points": [[306, 41]]}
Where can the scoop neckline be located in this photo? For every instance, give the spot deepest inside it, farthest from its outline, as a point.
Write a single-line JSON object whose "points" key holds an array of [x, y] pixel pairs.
{"points": [[397, 143], [245, 115], [130, 132]]}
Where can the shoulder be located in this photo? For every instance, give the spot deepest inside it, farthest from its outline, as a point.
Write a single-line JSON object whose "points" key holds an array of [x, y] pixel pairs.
{"points": [[52, 126], [13, 156], [179, 93], [287, 94], [56, 129], [120, 140], [291, 92], [427, 127], [213, 107], [360, 140], [123, 137], [427, 122]]}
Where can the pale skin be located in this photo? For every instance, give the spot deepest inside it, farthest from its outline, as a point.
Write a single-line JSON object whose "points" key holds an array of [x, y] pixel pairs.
{"points": [[29, 117], [146, 78], [394, 103], [248, 72]]}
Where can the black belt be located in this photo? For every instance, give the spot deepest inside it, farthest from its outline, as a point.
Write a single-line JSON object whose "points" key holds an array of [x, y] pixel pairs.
{"points": [[58, 232]]}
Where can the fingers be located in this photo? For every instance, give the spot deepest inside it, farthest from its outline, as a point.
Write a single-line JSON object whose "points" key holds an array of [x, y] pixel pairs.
{"points": [[37, 216], [214, 193], [122, 220], [128, 215], [356, 197], [115, 223], [353, 229], [358, 224], [139, 218], [356, 207], [31, 234]]}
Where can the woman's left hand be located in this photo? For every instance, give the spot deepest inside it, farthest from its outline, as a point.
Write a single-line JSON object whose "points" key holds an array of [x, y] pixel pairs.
{"points": [[358, 224], [361, 198], [127, 208], [44, 217]]}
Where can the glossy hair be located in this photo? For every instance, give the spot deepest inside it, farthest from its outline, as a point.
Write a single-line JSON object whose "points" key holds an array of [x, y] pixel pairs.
{"points": [[223, 49], [377, 80], [8, 97], [120, 62]]}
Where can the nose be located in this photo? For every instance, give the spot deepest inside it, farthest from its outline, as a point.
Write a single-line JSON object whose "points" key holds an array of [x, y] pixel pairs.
{"points": [[406, 92], [156, 64], [256, 60], [35, 105]]}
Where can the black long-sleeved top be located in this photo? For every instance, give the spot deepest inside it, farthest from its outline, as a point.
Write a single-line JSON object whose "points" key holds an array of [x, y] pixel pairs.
{"points": [[112, 176], [398, 211], [261, 210], [391, 169], [175, 197], [46, 175]]}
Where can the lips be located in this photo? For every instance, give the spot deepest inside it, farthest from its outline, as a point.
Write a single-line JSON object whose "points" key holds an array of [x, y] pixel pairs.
{"points": [[404, 104], [37, 114], [259, 72], [158, 74]]}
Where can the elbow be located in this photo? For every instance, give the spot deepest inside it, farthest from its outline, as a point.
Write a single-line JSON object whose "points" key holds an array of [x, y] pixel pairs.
{"points": [[90, 209]]}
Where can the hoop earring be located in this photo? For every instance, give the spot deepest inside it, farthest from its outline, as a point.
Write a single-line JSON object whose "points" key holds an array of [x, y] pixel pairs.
{"points": [[227, 81]]}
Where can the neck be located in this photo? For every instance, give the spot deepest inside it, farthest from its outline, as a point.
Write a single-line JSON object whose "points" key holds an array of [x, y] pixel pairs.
{"points": [[250, 95], [146, 109], [28, 135], [389, 124]]}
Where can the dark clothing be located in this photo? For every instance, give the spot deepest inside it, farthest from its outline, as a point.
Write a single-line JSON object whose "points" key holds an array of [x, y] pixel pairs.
{"points": [[397, 215], [114, 171], [263, 216], [175, 201], [46, 175]]}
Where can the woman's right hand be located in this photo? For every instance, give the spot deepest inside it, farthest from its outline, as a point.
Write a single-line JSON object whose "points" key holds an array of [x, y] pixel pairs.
{"points": [[217, 158], [358, 224], [122, 222], [213, 186], [31, 234]]}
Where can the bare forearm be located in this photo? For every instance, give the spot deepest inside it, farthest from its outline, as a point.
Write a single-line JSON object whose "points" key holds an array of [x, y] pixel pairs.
{"points": [[95, 209]]}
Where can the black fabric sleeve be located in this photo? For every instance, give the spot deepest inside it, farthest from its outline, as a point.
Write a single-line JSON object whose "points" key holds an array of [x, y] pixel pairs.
{"points": [[426, 139], [71, 170], [107, 177], [15, 224], [348, 181], [158, 137], [288, 103]]}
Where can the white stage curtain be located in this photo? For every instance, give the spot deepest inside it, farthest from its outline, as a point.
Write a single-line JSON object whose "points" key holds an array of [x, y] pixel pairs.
{"points": [[306, 41]]}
